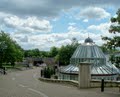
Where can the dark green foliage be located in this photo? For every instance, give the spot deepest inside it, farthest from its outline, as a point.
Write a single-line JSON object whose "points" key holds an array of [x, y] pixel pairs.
{"points": [[32, 53], [104, 49], [115, 28], [53, 51], [115, 60], [112, 59], [36, 53], [10, 51], [113, 19], [113, 44], [65, 53], [61, 55], [48, 72]]}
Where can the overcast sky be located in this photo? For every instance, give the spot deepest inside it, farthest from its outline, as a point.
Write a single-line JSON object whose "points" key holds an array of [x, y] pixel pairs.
{"points": [[45, 23]]}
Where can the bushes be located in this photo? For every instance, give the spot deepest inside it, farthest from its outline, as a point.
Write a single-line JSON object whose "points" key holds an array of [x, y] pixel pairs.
{"points": [[48, 72]]}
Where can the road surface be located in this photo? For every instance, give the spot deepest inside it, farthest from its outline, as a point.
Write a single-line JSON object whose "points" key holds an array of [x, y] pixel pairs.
{"points": [[26, 84]]}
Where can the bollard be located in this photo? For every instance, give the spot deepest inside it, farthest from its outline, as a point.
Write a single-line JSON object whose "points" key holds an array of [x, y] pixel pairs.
{"points": [[41, 73], [102, 85], [4, 70]]}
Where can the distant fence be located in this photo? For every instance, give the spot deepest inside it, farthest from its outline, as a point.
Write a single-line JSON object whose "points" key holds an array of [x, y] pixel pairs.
{"points": [[93, 83], [97, 83]]}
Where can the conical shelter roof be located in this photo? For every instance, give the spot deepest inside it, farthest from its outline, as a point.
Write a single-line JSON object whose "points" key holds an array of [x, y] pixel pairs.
{"points": [[90, 52]]}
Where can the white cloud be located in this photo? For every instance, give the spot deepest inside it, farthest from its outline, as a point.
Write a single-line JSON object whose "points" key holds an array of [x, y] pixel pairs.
{"points": [[85, 20], [101, 28], [55, 19], [30, 24], [72, 28], [93, 13], [24, 39], [29, 30], [72, 24], [45, 41]]}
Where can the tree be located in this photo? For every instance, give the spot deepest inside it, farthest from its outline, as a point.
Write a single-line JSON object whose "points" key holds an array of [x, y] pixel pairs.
{"points": [[32, 53], [104, 48], [114, 28], [114, 42], [65, 53], [61, 55], [10, 51], [36, 53], [53, 51]]}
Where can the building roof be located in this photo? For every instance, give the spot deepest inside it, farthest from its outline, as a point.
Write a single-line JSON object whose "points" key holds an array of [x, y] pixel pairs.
{"points": [[88, 40], [90, 52], [100, 70]]}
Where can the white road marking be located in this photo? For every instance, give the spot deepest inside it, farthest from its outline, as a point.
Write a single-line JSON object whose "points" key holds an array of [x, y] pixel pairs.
{"points": [[42, 94], [22, 85]]}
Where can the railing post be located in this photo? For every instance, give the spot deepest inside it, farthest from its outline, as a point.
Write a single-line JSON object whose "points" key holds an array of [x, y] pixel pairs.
{"points": [[102, 85]]}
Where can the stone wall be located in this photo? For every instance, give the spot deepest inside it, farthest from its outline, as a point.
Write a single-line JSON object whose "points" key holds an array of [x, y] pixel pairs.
{"points": [[67, 82]]}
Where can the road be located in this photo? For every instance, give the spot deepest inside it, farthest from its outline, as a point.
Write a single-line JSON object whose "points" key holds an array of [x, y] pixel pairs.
{"points": [[26, 84]]}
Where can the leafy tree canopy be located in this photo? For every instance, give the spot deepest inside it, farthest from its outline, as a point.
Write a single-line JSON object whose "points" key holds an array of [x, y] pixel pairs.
{"points": [[113, 43], [10, 51]]}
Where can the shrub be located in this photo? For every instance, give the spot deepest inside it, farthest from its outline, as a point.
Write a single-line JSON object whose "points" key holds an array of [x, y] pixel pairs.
{"points": [[48, 72]]}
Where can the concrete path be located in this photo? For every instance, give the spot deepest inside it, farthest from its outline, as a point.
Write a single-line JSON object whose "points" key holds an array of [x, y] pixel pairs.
{"points": [[26, 84]]}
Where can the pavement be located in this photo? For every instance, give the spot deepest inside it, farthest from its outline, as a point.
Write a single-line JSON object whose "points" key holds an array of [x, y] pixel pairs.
{"points": [[26, 84]]}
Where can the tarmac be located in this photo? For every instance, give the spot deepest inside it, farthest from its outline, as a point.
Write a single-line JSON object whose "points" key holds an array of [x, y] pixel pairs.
{"points": [[26, 84]]}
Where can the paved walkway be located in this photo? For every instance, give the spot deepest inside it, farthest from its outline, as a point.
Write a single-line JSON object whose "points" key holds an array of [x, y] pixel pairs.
{"points": [[26, 84]]}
